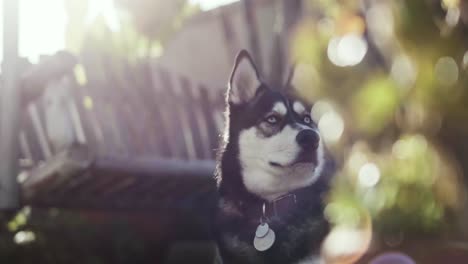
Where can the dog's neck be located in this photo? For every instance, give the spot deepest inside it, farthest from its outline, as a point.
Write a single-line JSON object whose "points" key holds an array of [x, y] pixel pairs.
{"points": [[252, 207], [279, 206], [239, 202]]}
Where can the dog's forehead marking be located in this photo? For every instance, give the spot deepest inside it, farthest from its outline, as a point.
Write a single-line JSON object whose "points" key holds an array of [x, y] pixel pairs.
{"points": [[280, 108], [298, 107]]}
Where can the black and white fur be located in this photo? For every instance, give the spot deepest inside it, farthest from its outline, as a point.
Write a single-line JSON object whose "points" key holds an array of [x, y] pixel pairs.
{"points": [[271, 148]]}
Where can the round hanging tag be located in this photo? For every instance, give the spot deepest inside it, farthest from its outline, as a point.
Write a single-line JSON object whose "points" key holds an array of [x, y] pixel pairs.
{"points": [[264, 243], [262, 230]]}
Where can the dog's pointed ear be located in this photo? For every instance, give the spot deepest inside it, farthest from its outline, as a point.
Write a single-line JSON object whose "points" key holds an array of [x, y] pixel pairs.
{"points": [[244, 80], [298, 75], [290, 76]]}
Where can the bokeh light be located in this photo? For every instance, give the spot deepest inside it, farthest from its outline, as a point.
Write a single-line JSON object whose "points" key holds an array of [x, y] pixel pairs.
{"points": [[356, 159], [380, 22], [392, 258], [320, 108], [206, 5], [24, 237], [331, 126], [446, 71], [347, 50], [403, 71], [465, 60], [369, 175]]}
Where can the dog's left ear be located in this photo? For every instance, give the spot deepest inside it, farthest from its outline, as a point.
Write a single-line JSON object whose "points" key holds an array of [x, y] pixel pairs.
{"points": [[296, 75], [244, 80]]}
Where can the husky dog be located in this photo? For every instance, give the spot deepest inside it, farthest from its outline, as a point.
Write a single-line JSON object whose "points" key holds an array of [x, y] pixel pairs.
{"points": [[273, 171]]}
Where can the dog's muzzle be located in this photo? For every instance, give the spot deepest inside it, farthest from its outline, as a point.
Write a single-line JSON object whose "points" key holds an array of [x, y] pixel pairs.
{"points": [[308, 139]]}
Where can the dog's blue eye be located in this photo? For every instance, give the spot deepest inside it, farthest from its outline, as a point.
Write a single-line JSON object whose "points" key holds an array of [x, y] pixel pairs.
{"points": [[307, 119], [272, 119]]}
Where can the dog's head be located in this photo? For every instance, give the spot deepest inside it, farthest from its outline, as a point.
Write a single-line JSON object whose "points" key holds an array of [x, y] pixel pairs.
{"points": [[272, 145]]}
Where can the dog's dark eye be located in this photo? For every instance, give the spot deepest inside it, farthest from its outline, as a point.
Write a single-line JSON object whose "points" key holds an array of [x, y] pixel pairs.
{"points": [[272, 119], [307, 119]]}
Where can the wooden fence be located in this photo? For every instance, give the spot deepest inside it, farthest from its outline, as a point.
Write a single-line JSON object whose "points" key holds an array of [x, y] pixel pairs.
{"points": [[110, 128]]}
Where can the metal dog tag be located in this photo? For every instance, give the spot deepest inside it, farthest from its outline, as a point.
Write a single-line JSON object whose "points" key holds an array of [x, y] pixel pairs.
{"points": [[262, 230], [265, 242]]}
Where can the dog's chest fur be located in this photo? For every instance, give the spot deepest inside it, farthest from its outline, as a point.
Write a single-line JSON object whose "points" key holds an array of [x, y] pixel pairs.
{"points": [[299, 231]]}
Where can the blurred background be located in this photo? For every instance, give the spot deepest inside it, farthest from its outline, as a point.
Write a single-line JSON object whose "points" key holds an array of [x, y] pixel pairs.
{"points": [[132, 82]]}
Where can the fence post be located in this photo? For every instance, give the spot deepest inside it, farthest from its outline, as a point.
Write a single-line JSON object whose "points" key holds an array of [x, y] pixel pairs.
{"points": [[9, 109]]}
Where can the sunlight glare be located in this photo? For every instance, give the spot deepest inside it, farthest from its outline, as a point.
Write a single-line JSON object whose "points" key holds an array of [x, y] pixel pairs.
{"points": [[42, 25], [41, 28], [206, 5], [106, 9]]}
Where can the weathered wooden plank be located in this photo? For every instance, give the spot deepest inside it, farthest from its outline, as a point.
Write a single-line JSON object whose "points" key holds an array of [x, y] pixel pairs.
{"points": [[35, 79], [211, 111], [137, 104], [105, 105], [203, 203], [162, 133], [100, 185], [28, 129], [187, 115], [39, 130], [71, 187], [145, 93], [192, 114], [73, 109], [95, 88], [175, 172], [91, 126], [218, 103], [56, 170], [156, 167], [170, 115], [205, 123], [25, 156], [118, 186], [116, 99]]}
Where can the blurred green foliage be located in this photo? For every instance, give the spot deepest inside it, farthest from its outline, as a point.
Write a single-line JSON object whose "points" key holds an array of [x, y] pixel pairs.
{"points": [[404, 106], [373, 115]]}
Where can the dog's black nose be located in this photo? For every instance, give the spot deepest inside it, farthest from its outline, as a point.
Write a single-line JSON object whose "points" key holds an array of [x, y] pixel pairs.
{"points": [[308, 139]]}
